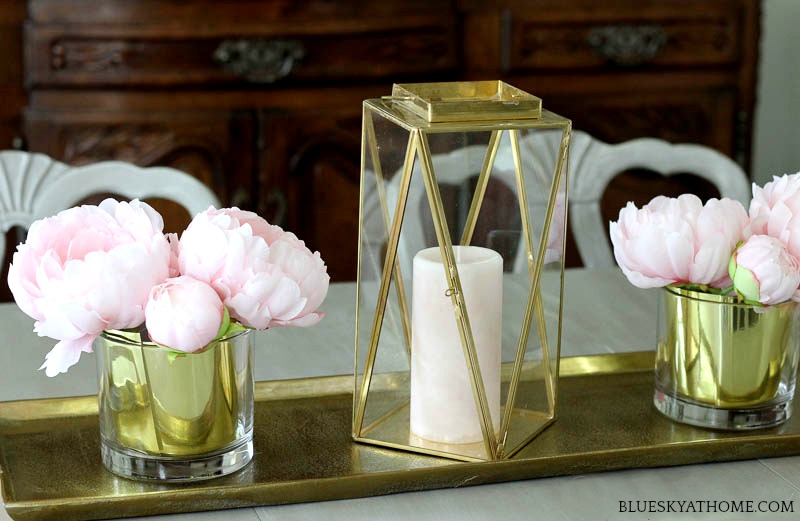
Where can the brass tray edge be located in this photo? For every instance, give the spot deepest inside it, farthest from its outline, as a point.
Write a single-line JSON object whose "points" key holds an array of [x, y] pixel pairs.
{"points": [[48, 408], [459, 474]]}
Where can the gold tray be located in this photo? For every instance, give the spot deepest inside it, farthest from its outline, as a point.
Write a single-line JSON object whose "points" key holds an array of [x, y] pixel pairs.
{"points": [[51, 469]]}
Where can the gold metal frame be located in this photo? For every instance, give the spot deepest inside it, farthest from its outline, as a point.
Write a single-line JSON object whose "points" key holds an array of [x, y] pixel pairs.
{"points": [[468, 101], [422, 110]]}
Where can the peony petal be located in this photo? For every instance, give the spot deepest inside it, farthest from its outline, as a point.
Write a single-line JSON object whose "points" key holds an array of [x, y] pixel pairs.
{"points": [[65, 354], [306, 321]]}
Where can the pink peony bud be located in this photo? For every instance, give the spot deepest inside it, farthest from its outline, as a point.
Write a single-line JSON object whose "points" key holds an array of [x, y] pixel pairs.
{"points": [[88, 269], [763, 270], [184, 314], [678, 240]]}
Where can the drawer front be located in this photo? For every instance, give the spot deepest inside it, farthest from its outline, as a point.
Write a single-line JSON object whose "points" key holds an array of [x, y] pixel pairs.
{"points": [[657, 39], [93, 55], [706, 116]]}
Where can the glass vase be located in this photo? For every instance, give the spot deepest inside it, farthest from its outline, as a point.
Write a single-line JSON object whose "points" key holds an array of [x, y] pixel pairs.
{"points": [[724, 364], [173, 416]]}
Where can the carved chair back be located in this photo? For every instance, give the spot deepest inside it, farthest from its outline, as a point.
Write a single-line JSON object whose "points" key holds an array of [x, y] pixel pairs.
{"points": [[593, 164], [460, 169], [33, 186]]}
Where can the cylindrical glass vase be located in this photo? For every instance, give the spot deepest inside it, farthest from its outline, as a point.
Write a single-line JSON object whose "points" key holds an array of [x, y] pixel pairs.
{"points": [[173, 416], [724, 364]]}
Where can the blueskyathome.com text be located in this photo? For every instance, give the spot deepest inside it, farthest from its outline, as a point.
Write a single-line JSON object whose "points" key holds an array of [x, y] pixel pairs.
{"points": [[706, 506]]}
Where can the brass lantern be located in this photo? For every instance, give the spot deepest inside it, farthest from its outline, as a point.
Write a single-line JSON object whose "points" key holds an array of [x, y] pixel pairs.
{"points": [[461, 247]]}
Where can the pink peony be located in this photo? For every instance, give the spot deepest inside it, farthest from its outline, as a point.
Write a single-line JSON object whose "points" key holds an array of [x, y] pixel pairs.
{"points": [[88, 269], [184, 314], [764, 271], [265, 276], [775, 211], [678, 241], [308, 270]]}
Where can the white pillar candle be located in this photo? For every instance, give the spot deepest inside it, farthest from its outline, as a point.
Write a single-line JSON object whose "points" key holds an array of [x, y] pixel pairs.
{"points": [[443, 406]]}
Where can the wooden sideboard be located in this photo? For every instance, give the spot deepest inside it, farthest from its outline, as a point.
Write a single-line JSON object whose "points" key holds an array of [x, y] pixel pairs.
{"points": [[262, 99], [12, 15]]}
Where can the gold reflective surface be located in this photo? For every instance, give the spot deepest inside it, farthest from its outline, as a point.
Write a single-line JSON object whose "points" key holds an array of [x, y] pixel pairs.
{"points": [[161, 403], [467, 101], [715, 351], [51, 469]]}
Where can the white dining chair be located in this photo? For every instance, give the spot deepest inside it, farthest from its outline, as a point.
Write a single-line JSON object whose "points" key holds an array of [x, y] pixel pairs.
{"points": [[33, 186], [593, 164], [460, 166], [450, 169]]}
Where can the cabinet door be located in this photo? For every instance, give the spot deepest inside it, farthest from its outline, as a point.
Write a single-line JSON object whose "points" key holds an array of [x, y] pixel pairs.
{"points": [[214, 146], [696, 116], [12, 14], [682, 70], [704, 116], [310, 182]]}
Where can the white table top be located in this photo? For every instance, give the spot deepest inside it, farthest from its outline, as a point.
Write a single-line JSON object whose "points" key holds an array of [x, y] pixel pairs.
{"points": [[603, 313]]}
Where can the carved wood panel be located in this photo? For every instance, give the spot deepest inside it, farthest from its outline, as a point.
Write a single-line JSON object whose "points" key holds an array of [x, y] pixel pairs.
{"points": [[216, 148], [320, 189], [123, 55], [692, 116], [699, 40]]}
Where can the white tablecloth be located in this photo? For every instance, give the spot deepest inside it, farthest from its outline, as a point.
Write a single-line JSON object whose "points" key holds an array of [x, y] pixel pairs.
{"points": [[603, 313]]}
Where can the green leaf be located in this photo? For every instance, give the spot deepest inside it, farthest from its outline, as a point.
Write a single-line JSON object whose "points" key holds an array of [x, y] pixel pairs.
{"points": [[702, 288], [746, 284], [226, 323], [231, 327], [172, 354]]}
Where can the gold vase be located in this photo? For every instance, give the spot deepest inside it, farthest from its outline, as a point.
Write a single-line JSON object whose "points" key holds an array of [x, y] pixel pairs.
{"points": [[175, 416], [721, 363]]}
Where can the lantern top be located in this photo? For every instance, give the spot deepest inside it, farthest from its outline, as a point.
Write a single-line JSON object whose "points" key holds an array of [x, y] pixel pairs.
{"points": [[467, 101]]}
